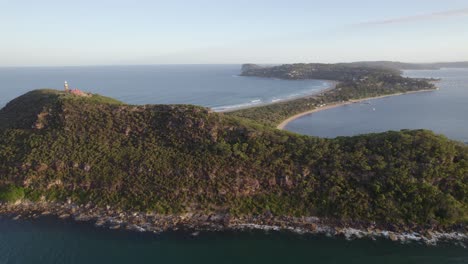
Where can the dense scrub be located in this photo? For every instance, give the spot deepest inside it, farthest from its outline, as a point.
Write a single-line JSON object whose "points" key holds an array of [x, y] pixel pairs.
{"points": [[179, 158], [11, 193]]}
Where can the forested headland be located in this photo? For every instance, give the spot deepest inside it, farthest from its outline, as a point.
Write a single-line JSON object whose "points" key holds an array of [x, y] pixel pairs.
{"points": [[175, 159]]}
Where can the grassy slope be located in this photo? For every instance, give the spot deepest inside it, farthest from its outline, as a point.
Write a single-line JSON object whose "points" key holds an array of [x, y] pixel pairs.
{"points": [[173, 159], [23, 111]]}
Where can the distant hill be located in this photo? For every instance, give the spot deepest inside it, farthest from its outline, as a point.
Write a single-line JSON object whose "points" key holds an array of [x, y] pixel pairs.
{"points": [[174, 159], [337, 72]]}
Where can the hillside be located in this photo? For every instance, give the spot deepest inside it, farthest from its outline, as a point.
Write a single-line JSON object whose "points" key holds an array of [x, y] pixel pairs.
{"points": [[33, 108], [173, 159]]}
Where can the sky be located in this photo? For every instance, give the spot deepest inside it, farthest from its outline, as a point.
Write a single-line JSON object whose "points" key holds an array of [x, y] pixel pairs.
{"points": [[116, 32]]}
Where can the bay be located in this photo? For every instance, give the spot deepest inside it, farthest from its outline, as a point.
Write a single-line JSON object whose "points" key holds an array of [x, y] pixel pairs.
{"points": [[444, 111]]}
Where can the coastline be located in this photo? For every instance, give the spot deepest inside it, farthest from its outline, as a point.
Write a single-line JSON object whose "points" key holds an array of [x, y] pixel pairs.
{"points": [[108, 217], [194, 222], [330, 86], [284, 123]]}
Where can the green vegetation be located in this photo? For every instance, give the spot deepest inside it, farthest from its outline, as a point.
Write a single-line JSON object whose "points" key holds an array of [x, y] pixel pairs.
{"points": [[355, 82], [11, 193], [338, 72], [181, 158], [32, 108]]}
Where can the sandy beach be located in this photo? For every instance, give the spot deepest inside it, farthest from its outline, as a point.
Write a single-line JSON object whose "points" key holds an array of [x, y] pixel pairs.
{"points": [[330, 86], [283, 124]]}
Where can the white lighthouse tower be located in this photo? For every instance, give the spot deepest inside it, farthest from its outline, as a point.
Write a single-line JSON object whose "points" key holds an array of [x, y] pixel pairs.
{"points": [[65, 86]]}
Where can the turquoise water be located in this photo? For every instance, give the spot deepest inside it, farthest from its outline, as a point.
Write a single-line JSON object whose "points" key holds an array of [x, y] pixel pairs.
{"points": [[58, 241], [444, 111]]}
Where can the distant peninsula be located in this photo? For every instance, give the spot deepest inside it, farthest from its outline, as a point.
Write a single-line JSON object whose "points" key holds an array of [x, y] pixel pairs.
{"points": [[351, 82], [164, 167]]}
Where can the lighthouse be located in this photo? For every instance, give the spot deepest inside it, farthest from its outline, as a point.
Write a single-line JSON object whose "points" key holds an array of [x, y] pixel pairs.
{"points": [[65, 86]]}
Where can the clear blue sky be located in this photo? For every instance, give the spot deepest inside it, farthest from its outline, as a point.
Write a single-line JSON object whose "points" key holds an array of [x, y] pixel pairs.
{"points": [[53, 32]]}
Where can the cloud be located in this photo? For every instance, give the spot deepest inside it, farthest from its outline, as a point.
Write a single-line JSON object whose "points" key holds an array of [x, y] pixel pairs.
{"points": [[435, 15]]}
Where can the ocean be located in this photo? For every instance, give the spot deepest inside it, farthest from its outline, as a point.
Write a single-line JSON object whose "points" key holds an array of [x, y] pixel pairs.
{"points": [[50, 240], [216, 86]]}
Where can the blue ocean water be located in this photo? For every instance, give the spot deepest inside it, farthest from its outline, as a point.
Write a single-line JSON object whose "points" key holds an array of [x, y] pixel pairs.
{"points": [[217, 86], [444, 111]]}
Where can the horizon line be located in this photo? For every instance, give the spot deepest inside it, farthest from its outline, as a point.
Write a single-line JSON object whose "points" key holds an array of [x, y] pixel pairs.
{"points": [[269, 63]]}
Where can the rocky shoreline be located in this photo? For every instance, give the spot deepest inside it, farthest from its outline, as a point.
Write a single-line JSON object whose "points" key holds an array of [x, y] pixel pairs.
{"points": [[156, 223]]}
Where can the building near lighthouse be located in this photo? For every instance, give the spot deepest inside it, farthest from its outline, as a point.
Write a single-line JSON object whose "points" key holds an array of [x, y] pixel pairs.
{"points": [[74, 90]]}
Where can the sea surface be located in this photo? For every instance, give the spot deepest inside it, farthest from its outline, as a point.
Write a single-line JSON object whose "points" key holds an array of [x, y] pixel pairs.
{"points": [[217, 86], [61, 241], [444, 111], [50, 240]]}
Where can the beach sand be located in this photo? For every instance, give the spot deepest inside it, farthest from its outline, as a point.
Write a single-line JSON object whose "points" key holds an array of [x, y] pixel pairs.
{"points": [[330, 86]]}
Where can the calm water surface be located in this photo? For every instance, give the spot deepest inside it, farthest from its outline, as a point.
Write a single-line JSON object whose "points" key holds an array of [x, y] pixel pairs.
{"points": [[56, 241], [216, 86], [444, 111]]}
